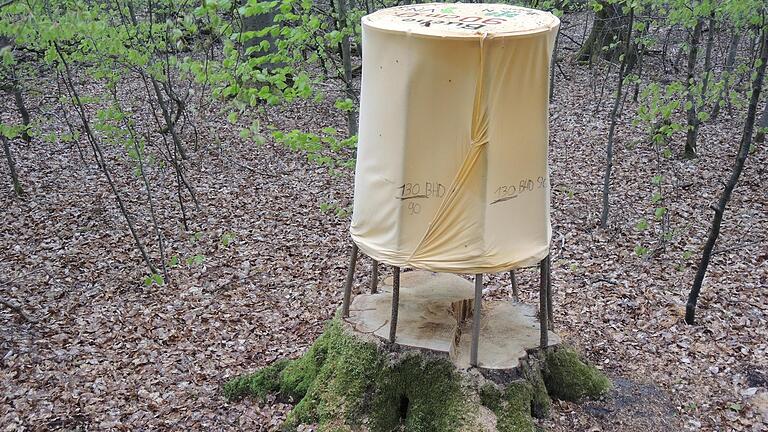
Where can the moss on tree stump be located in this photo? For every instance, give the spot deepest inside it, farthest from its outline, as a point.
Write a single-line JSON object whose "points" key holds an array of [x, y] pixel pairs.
{"points": [[348, 381]]}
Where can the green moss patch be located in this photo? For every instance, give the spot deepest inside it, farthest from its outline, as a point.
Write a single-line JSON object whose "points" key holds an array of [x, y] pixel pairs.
{"points": [[512, 406], [341, 383], [344, 384], [257, 384], [422, 394], [568, 378]]}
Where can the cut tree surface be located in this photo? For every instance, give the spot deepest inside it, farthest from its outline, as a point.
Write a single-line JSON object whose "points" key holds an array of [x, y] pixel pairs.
{"points": [[436, 314]]}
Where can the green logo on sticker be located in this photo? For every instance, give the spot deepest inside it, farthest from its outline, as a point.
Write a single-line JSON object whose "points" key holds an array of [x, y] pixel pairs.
{"points": [[505, 14]]}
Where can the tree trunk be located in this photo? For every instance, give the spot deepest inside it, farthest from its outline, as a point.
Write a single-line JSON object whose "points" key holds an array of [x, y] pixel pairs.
{"points": [[725, 197], [730, 61], [12, 86], [346, 58], [762, 126], [18, 99], [610, 25], [612, 129], [256, 22], [11, 166], [693, 121], [708, 55], [552, 65]]}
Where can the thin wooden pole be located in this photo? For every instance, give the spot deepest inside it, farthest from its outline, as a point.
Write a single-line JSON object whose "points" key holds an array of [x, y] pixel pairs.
{"points": [[513, 278], [550, 313], [395, 303], [476, 319], [543, 269], [348, 282], [375, 277]]}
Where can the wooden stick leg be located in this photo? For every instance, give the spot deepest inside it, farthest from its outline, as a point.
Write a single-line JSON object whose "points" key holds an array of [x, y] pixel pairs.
{"points": [[543, 266], [395, 303], [513, 278], [348, 282], [550, 313], [375, 277], [476, 319]]}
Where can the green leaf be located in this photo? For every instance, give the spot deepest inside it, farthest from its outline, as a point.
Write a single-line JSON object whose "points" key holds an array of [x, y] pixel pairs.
{"points": [[329, 130], [195, 260], [227, 238], [344, 104], [154, 278], [641, 225]]}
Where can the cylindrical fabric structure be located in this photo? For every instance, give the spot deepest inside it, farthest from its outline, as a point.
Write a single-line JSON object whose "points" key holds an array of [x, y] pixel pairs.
{"points": [[452, 171]]}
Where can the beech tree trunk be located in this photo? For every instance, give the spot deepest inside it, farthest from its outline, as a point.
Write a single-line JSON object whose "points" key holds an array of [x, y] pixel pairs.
{"points": [[346, 58], [725, 197], [693, 121], [10, 84], [11, 166], [611, 131], [257, 22], [708, 56], [730, 61], [610, 25], [763, 125], [18, 99]]}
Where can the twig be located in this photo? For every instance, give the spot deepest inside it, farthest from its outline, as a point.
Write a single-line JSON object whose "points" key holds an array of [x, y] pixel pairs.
{"points": [[18, 310], [11, 281], [737, 247], [246, 167]]}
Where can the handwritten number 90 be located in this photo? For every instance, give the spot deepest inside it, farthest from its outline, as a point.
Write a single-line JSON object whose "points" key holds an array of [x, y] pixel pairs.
{"points": [[414, 208]]}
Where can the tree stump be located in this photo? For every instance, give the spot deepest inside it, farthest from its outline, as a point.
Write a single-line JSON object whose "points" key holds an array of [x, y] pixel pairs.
{"points": [[353, 379]]}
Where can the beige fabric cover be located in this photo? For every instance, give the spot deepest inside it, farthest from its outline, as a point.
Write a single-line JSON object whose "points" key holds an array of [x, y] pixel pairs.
{"points": [[452, 157]]}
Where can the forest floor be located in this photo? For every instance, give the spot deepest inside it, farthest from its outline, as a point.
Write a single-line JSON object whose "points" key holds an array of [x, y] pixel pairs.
{"points": [[107, 353]]}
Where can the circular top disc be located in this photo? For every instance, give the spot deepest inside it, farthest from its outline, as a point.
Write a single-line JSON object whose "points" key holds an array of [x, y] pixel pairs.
{"points": [[462, 20]]}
